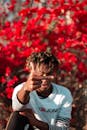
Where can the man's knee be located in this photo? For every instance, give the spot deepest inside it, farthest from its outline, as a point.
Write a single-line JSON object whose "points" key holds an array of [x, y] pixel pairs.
{"points": [[17, 122]]}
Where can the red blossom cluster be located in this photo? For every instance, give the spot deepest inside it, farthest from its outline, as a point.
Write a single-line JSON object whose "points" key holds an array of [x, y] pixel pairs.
{"points": [[61, 26]]}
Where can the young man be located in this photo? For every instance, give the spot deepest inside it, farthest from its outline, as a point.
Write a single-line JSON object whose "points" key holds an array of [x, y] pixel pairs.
{"points": [[39, 102]]}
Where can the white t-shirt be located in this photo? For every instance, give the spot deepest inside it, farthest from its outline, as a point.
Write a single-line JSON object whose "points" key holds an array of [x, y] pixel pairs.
{"points": [[54, 110]]}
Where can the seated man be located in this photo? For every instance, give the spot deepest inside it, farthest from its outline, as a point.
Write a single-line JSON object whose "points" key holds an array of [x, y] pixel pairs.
{"points": [[40, 103]]}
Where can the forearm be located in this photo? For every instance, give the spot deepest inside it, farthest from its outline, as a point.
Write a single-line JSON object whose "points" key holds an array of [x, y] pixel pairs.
{"points": [[43, 126], [39, 124], [33, 120], [58, 128], [20, 98], [60, 125], [23, 95]]}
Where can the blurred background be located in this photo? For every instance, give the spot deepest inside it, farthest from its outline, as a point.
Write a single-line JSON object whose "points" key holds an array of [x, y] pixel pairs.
{"points": [[59, 26]]}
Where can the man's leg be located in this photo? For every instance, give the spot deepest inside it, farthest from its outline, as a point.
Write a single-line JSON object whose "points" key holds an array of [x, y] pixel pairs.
{"points": [[18, 122]]}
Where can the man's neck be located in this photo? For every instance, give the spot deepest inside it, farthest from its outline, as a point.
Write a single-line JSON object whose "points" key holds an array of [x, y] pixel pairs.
{"points": [[45, 94]]}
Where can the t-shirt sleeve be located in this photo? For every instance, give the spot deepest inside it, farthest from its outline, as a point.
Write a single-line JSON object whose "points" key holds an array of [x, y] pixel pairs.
{"points": [[16, 104]]}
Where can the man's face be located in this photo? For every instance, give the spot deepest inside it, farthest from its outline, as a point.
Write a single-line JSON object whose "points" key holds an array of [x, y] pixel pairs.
{"points": [[43, 70]]}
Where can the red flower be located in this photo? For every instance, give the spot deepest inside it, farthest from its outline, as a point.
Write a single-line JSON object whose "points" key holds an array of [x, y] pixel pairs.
{"points": [[9, 91], [24, 12], [82, 67], [2, 80], [8, 71], [70, 57], [11, 7], [37, 0], [85, 50]]}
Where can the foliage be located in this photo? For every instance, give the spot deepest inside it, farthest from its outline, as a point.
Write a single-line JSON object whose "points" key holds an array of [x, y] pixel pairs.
{"points": [[58, 26]]}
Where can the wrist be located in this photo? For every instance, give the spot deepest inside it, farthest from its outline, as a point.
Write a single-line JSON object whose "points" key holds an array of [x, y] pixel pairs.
{"points": [[25, 88], [42, 125], [23, 95]]}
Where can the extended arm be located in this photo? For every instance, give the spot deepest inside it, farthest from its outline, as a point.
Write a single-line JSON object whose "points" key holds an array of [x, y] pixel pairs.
{"points": [[61, 124], [33, 121]]}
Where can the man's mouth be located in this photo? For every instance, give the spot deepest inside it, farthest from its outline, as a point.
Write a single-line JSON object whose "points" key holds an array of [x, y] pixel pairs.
{"points": [[44, 84]]}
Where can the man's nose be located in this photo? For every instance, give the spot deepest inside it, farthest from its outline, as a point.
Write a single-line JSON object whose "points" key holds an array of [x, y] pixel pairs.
{"points": [[44, 80]]}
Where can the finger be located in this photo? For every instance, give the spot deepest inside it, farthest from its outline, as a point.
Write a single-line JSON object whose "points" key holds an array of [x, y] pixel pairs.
{"points": [[33, 66], [36, 82], [33, 87], [26, 110], [50, 77]]}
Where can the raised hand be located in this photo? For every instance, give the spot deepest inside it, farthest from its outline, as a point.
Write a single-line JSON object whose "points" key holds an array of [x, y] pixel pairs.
{"points": [[34, 81]]}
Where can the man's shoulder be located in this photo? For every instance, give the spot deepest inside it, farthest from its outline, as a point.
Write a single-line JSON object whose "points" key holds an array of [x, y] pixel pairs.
{"points": [[61, 89], [19, 86], [64, 91]]}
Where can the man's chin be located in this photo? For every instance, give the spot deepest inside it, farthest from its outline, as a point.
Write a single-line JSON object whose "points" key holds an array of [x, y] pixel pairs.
{"points": [[45, 87]]}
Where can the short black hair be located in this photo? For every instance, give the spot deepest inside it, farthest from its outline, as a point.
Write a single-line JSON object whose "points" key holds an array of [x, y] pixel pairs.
{"points": [[46, 58]]}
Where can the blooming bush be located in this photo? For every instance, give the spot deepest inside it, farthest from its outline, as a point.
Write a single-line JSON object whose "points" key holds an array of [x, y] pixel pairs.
{"points": [[60, 27]]}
